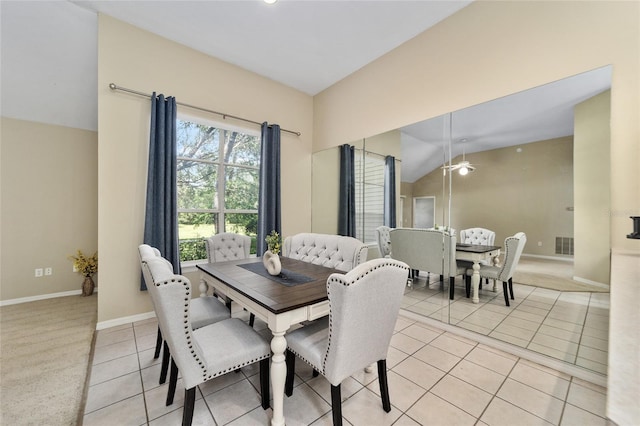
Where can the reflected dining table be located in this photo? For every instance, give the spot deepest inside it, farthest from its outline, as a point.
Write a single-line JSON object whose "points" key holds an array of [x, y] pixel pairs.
{"points": [[298, 294], [477, 253]]}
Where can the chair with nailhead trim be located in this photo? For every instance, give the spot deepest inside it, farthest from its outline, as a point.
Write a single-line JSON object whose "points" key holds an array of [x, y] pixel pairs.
{"points": [[228, 246], [363, 310], [204, 311], [208, 352], [333, 251], [514, 245]]}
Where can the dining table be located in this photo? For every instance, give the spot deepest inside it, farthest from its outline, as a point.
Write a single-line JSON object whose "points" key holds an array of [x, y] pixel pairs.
{"points": [[477, 253], [297, 294]]}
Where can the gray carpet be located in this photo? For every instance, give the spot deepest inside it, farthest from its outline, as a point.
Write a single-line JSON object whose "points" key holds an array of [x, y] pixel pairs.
{"points": [[551, 274], [45, 348]]}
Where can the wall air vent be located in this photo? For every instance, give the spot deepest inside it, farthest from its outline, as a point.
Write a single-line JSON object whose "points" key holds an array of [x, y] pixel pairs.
{"points": [[564, 245]]}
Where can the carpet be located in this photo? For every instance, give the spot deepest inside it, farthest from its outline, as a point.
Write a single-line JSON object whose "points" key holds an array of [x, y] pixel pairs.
{"points": [[44, 358], [551, 274]]}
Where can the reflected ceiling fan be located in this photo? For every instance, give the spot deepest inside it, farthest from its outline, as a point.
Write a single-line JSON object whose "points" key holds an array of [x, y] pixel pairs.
{"points": [[463, 167]]}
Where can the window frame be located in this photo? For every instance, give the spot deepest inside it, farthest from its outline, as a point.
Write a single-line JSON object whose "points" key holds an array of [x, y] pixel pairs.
{"points": [[221, 167]]}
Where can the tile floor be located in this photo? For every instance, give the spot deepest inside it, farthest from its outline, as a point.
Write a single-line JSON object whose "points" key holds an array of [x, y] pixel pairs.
{"points": [[570, 326], [435, 378]]}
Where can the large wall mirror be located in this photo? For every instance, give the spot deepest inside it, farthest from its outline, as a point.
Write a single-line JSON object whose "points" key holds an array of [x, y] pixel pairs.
{"points": [[539, 164]]}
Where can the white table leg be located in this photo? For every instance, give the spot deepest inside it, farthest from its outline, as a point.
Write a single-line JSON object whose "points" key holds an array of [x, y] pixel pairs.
{"points": [[203, 288], [278, 376], [475, 281], [496, 263]]}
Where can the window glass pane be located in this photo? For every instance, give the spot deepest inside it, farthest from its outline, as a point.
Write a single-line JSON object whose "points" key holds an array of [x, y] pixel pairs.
{"points": [[243, 223], [241, 188], [196, 185], [242, 149], [193, 228], [197, 141]]}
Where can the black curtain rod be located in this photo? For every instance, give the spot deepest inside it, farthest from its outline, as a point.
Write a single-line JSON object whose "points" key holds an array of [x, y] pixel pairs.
{"points": [[113, 86]]}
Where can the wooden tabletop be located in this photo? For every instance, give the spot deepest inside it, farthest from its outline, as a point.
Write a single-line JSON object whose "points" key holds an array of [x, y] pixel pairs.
{"points": [[268, 293], [475, 248]]}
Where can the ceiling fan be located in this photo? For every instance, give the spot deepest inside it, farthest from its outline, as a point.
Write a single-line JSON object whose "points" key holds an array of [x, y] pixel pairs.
{"points": [[463, 167]]}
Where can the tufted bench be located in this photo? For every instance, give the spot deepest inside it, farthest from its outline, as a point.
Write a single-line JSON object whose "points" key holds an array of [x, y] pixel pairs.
{"points": [[333, 251]]}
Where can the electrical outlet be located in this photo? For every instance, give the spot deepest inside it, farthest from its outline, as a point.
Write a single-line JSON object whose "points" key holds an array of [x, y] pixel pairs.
{"points": [[75, 269], [48, 271], [38, 272], [539, 243]]}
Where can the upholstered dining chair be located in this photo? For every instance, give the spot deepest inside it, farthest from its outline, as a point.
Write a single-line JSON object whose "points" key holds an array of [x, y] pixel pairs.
{"points": [[363, 309], [384, 242], [333, 251], [429, 250], [228, 246], [208, 352], [204, 311], [478, 236], [513, 249]]}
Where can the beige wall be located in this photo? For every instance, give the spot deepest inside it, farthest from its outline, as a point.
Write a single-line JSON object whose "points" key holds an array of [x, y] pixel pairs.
{"points": [[491, 49], [49, 205], [139, 60], [592, 202], [512, 191]]}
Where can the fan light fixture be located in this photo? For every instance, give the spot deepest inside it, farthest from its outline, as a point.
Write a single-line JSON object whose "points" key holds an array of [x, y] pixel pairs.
{"points": [[464, 167]]}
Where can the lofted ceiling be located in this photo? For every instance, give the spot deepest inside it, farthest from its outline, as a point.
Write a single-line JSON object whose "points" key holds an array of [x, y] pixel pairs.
{"points": [[49, 61], [49, 48]]}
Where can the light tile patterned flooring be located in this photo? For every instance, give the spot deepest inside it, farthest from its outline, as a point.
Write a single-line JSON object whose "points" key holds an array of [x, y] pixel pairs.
{"points": [[570, 326], [435, 378]]}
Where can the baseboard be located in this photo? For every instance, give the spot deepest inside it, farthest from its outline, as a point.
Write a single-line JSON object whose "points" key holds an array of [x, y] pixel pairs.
{"points": [[540, 256], [589, 282], [556, 364], [42, 297], [124, 320]]}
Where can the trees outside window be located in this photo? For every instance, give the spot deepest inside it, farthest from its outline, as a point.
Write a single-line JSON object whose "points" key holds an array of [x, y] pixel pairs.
{"points": [[218, 183]]}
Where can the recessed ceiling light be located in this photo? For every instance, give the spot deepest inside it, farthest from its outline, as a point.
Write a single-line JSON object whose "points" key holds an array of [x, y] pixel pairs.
{"points": [[270, 1]]}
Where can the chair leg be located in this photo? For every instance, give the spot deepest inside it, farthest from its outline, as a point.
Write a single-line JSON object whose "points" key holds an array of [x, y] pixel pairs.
{"points": [[166, 356], [511, 288], [452, 285], [158, 344], [315, 373], [252, 319], [189, 402], [467, 285], [505, 292], [290, 360], [264, 383], [384, 386], [173, 379], [336, 405]]}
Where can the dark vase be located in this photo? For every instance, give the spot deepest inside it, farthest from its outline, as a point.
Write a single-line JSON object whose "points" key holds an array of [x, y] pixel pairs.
{"points": [[87, 286]]}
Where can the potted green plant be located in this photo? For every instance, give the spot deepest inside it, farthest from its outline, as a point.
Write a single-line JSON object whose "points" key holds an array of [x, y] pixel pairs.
{"points": [[87, 266], [270, 259]]}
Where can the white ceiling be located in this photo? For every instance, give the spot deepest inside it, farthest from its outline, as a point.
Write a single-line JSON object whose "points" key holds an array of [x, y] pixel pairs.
{"points": [[537, 114], [49, 61], [49, 48]]}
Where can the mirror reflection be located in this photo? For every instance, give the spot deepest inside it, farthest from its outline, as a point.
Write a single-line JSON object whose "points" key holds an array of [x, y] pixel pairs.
{"points": [[536, 162], [523, 163]]}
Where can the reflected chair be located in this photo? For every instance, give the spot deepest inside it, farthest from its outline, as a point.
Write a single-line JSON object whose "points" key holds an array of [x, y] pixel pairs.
{"points": [[363, 309], [480, 237], [228, 246], [204, 311], [208, 352], [514, 246], [384, 242], [429, 250]]}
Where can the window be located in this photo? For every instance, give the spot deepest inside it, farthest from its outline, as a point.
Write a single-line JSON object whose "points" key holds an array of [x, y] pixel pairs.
{"points": [[218, 182], [369, 181]]}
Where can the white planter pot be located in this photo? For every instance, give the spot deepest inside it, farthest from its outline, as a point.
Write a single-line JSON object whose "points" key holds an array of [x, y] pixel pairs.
{"points": [[272, 263]]}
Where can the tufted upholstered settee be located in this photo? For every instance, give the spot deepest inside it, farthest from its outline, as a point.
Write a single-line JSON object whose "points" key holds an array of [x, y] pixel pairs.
{"points": [[333, 251]]}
